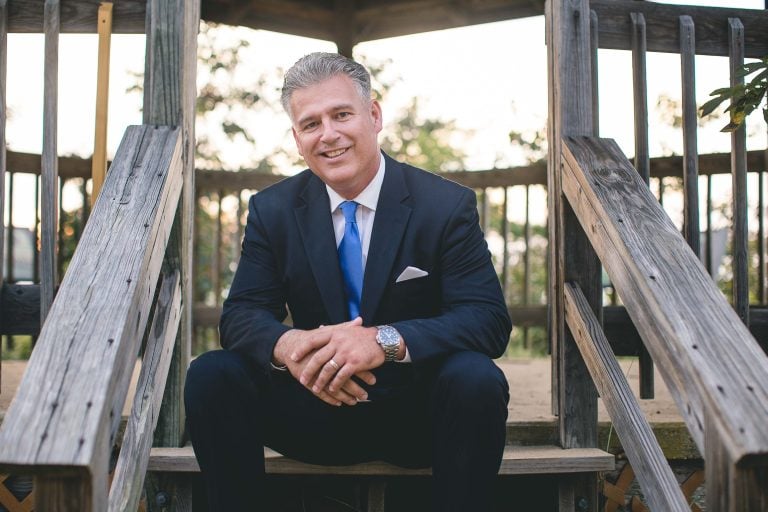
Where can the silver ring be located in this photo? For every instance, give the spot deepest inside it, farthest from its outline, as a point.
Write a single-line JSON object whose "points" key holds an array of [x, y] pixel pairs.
{"points": [[334, 364]]}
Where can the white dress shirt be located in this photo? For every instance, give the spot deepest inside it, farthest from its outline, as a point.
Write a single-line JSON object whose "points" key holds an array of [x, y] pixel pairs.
{"points": [[364, 215]]}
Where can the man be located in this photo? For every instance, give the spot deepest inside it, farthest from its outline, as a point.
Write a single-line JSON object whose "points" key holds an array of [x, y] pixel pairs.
{"points": [[396, 312]]}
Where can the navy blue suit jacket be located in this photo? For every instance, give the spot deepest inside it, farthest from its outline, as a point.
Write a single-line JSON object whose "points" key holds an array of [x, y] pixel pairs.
{"points": [[289, 259]]}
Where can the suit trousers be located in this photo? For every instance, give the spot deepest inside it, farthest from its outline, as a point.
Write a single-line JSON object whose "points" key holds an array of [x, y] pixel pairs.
{"points": [[450, 416]]}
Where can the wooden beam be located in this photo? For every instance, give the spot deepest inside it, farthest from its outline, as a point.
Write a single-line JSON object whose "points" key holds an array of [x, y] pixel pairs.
{"points": [[49, 163], [570, 256], [691, 227], [658, 483], [99, 160], [662, 22], [68, 404], [80, 16], [170, 91], [534, 174], [707, 357], [740, 246], [517, 460], [131, 467]]}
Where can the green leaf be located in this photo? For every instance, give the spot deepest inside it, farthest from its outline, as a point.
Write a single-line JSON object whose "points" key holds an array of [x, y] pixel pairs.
{"points": [[710, 106]]}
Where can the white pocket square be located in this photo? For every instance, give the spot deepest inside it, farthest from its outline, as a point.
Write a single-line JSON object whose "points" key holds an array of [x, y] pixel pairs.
{"points": [[411, 273]]}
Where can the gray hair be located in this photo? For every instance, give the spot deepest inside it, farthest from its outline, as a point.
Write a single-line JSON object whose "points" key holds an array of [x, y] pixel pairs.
{"points": [[318, 67]]}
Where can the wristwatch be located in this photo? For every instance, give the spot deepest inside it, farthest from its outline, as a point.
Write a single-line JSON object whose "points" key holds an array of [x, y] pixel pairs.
{"points": [[389, 340]]}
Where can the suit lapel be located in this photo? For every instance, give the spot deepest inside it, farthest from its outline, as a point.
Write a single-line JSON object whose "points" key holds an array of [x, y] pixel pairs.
{"points": [[388, 229], [316, 228]]}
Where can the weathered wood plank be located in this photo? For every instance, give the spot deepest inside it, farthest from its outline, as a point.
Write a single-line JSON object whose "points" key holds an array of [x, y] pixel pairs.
{"points": [[691, 228], [131, 466], [662, 20], [99, 160], [642, 154], [49, 163], [517, 460], [656, 479], [65, 493], [740, 246], [570, 256], [77, 16], [77, 378], [706, 356], [170, 92], [640, 95]]}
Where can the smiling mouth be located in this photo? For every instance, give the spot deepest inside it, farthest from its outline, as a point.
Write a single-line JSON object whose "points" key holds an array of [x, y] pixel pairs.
{"points": [[335, 153]]}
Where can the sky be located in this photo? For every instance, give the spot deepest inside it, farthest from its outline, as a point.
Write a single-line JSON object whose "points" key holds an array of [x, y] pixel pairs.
{"points": [[489, 78]]}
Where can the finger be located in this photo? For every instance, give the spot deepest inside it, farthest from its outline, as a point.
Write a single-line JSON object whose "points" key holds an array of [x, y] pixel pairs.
{"points": [[367, 377], [327, 372], [353, 388], [312, 369], [343, 396], [329, 399], [311, 340]]}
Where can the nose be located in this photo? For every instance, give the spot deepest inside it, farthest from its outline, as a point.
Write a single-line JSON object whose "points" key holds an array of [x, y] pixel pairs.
{"points": [[329, 134]]}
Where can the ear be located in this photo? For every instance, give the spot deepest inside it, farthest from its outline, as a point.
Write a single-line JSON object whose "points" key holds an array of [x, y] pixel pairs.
{"points": [[296, 140], [376, 115]]}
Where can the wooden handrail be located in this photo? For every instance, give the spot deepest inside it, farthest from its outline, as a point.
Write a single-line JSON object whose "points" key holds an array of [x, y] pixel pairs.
{"points": [[713, 367], [653, 472], [131, 466], [67, 408]]}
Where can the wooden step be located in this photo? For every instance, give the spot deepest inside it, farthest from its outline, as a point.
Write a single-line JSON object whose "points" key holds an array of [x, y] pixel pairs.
{"points": [[518, 460]]}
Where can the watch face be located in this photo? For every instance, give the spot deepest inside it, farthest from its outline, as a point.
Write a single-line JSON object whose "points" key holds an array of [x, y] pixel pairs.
{"points": [[389, 336]]}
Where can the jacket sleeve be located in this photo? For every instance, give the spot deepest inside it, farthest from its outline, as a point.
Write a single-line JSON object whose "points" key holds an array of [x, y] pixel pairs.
{"points": [[251, 320], [473, 313]]}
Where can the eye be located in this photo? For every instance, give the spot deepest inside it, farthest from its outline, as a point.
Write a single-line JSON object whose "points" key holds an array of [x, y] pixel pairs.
{"points": [[309, 126], [343, 115]]}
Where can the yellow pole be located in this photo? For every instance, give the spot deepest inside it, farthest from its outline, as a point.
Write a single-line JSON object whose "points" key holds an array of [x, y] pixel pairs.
{"points": [[99, 162]]}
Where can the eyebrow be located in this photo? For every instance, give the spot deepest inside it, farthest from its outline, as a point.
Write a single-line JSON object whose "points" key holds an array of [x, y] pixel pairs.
{"points": [[336, 108]]}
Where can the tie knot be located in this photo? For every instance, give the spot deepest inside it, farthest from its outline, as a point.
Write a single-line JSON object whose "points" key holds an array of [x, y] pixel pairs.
{"points": [[348, 208]]}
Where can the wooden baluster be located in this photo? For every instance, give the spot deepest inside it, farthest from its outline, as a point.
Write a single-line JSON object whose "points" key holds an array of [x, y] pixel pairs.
{"points": [[505, 238], [642, 157], [527, 260], [50, 167], [739, 174], [708, 235], [99, 162], [691, 227]]}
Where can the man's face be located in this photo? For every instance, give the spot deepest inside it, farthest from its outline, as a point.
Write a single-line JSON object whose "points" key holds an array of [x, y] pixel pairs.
{"points": [[336, 133]]}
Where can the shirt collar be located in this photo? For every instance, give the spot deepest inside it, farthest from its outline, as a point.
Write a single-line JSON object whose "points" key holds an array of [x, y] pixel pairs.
{"points": [[369, 197]]}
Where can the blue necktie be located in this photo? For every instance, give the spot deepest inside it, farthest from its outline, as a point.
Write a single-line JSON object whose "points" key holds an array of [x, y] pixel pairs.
{"points": [[351, 259]]}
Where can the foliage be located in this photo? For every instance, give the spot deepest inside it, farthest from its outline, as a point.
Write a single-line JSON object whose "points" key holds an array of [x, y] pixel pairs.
{"points": [[533, 143], [744, 98]]}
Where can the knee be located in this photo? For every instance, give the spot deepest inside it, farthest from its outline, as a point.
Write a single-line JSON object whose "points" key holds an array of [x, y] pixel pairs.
{"points": [[472, 379], [214, 375]]}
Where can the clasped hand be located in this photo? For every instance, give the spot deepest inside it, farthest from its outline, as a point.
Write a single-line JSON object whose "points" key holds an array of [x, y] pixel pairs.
{"points": [[325, 359]]}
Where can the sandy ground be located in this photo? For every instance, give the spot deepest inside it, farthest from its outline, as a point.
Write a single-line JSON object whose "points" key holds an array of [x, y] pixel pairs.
{"points": [[529, 384]]}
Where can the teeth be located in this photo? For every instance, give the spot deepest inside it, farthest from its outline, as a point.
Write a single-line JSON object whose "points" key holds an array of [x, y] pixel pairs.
{"points": [[335, 153]]}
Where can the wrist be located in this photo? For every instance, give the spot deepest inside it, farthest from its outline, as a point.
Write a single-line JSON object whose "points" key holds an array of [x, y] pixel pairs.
{"points": [[391, 342], [280, 350]]}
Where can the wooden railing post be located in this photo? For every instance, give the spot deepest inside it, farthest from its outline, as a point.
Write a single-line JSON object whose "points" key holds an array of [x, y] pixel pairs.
{"points": [[169, 99], [571, 257]]}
